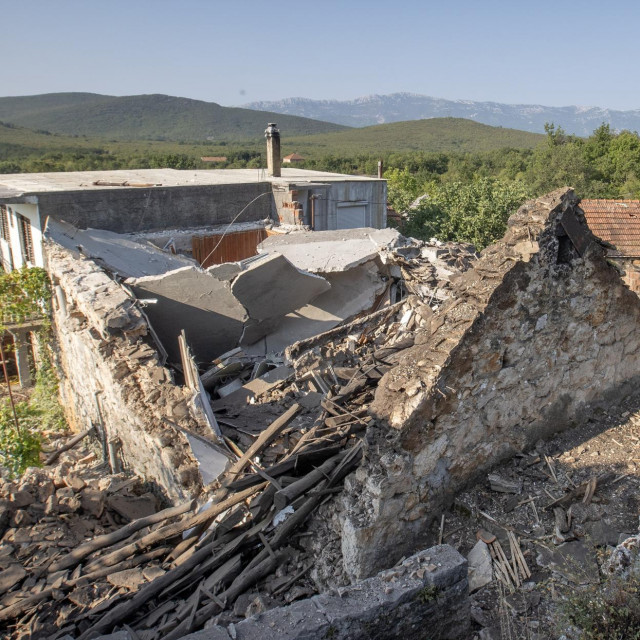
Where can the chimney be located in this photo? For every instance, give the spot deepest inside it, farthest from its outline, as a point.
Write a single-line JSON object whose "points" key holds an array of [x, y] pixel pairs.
{"points": [[272, 134]]}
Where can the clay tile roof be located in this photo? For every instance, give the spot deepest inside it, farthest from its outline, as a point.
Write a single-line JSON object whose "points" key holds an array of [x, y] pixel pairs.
{"points": [[616, 222]]}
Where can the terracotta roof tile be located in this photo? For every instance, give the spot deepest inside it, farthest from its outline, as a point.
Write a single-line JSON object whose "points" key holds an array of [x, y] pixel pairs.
{"points": [[616, 222]]}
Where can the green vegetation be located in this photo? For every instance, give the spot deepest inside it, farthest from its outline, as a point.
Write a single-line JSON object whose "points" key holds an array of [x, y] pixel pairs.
{"points": [[472, 175], [470, 197], [25, 293], [434, 135], [475, 212], [605, 612], [428, 594], [148, 117]]}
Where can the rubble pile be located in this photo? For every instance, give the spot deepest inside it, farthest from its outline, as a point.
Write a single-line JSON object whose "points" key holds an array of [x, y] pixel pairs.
{"points": [[46, 514], [291, 444]]}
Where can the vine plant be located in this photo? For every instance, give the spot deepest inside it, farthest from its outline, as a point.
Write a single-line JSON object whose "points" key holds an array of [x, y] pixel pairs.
{"points": [[25, 294]]}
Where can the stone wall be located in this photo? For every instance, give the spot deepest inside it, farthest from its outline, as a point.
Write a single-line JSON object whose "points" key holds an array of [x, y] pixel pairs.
{"points": [[538, 333], [426, 596], [157, 208], [111, 375]]}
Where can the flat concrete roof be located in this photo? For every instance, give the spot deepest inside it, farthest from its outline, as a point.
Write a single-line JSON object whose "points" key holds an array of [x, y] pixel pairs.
{"points": [[24, 184]]}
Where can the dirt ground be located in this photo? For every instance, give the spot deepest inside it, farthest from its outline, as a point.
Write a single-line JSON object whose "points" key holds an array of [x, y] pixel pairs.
{"points": [[560, 562]]}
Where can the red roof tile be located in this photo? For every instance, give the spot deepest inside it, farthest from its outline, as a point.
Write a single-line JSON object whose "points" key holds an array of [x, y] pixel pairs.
{"points": [[616, 222]]}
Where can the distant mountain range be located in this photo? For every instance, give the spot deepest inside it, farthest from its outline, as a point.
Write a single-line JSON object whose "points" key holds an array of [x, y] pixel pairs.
{"points": [[398, 107], [148, 117]]}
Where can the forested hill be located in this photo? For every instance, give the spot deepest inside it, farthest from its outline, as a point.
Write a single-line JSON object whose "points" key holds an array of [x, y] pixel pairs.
{"points": [[148, 117], [435, 134]]}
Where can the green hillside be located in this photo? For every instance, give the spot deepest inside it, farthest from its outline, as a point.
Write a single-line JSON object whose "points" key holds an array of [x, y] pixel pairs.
{"points": [[436, 134], [150, 117]]}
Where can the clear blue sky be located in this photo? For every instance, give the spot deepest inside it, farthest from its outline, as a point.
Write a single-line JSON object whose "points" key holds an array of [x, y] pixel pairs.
{"points": [[235, 51]]}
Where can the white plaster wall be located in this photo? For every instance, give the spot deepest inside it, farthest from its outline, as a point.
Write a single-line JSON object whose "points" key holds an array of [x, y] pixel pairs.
{"points": [[29, 211]]}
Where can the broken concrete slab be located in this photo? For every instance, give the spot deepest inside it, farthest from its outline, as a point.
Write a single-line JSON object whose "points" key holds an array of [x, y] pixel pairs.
{"points": [[211, 462], [226, 271], [352, 292], [271, 287], [255, 387], [331, 251], [118, 253], [193, 300]]}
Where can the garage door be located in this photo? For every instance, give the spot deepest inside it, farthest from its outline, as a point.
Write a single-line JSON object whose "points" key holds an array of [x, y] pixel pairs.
{"points": [[352, 216]]}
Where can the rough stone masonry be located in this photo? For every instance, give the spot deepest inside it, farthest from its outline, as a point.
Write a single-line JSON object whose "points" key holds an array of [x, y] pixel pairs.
{"points": [[539, 332]]}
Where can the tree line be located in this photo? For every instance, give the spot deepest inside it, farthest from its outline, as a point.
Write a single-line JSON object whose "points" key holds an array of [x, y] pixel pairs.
{"points": [[449, 195], [470, 197]]}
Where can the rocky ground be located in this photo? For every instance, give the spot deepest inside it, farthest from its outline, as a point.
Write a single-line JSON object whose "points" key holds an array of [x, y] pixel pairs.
{"points": [[566, 538]]}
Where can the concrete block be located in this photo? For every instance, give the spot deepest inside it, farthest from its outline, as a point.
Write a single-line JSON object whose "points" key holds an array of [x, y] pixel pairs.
{"points": [[351, 292]]}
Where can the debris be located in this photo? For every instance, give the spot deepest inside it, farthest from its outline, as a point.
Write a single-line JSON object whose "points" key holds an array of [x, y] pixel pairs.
{"points": [[480, 566], [504, 485]]}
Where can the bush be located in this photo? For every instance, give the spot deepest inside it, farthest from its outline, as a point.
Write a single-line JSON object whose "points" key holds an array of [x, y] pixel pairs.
{"points": [[19, 447], [606, 612]]}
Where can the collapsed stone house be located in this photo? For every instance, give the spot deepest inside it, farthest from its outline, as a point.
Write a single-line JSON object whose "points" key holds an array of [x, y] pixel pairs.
{"points": [[479, 361]]}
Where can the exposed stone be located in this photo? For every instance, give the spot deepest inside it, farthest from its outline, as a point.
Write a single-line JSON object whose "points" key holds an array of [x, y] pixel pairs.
{"points": [[129, 578], [574, 561], [480, 566], [495, 370], [625, 558], [428, 588], [10, 577]]}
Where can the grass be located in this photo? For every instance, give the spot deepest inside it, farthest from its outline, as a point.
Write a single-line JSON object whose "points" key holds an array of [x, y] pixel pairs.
{"points": [[25, 293]]}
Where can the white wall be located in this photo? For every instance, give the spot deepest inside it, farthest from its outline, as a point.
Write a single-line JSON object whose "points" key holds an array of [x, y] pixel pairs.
{"points": [[29, 211]]}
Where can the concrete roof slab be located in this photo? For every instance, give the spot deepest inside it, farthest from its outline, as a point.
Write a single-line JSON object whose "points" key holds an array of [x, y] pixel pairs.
{"points": [[331, 251], [119, 254]]}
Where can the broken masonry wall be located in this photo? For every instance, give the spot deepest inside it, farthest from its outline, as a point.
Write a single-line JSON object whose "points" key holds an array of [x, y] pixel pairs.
{"points": [[533, 337], [110, 375], [430, 587], [157, 208]]}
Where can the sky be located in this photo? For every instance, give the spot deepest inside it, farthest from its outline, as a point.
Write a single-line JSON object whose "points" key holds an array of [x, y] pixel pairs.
{"points": [[554, 53]]}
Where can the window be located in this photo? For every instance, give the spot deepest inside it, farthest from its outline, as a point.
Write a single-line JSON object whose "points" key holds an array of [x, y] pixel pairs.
{"points": [[4, 223], [26, 241]]}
